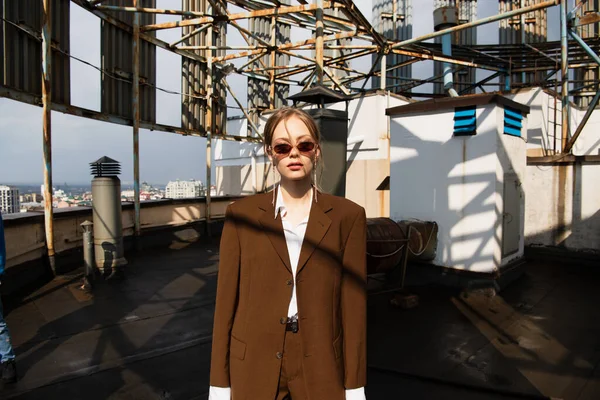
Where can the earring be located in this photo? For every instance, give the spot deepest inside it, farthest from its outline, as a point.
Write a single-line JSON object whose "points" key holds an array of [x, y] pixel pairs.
{"points": [[275, 182], [315, 180]]}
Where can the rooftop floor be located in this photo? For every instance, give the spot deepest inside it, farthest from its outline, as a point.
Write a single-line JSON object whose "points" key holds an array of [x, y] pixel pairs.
{"points": [[148, 336]]}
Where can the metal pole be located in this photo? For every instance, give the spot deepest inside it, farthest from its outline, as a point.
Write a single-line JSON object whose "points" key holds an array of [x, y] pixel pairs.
{"points": [[587, 116], [136, 117], [523, 37], [273, 59], [47, 129], [88, 255], [478, 22], [209, 124], [382, 80], [319, 41], [564, 54]]}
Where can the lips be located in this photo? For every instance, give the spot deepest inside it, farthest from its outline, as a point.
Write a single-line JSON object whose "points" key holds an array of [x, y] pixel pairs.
{"points": [[295, 166]]}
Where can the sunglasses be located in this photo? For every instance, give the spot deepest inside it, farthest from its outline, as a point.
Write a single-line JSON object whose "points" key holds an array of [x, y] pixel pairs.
{"points": [[285, 148]]}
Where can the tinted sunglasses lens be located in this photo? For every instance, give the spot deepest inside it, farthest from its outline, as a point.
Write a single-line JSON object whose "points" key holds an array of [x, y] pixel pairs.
{"points": [[306, 147], [282, 148]]}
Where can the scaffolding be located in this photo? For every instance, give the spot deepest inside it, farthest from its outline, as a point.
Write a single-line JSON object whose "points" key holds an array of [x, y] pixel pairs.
{"points": [[34, 38]]}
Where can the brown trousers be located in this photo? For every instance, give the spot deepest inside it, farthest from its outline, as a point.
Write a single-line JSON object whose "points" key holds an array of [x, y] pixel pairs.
{"points": [[291, 377]]}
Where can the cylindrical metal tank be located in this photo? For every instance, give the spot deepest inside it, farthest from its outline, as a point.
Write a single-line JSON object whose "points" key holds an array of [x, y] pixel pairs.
{"points": [[386, 240], [108, 227], [422, 237], [385, 245]]}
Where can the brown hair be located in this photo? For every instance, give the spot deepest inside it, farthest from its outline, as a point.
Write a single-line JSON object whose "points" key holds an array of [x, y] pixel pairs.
{"points": [[285, 113]]}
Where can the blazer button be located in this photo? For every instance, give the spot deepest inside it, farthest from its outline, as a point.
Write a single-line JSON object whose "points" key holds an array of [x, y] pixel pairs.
{"points": [[283, 321], [289, 282], [279, 355]]}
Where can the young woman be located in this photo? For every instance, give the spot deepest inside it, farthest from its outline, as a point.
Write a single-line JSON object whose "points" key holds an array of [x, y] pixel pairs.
{"points": [[290, 317]]}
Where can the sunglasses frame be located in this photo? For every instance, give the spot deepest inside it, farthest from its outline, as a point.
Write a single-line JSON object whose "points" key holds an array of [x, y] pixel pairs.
{"points": [[291, 147]]}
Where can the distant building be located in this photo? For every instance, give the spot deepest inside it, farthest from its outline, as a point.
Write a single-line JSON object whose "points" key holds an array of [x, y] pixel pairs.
{"points": [[9, 200], [184, 189]]}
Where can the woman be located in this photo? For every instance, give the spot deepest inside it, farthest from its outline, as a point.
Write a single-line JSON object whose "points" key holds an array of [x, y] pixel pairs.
{"points": [[290, 317]]}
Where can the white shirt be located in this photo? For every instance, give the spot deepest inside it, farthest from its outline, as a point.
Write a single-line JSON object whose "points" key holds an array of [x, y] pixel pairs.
{"points": [[294, 236]]}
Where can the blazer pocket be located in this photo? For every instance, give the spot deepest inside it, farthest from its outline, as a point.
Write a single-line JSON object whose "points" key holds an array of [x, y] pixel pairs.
{"points": [[237, 348], [338, 346]]}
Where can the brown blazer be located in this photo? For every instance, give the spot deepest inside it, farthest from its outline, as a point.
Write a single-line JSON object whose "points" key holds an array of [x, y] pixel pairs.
{"points": [[255, 287]]}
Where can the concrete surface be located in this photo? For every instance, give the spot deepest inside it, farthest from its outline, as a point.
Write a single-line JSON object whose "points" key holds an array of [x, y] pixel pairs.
{"points": [[148, 336]]}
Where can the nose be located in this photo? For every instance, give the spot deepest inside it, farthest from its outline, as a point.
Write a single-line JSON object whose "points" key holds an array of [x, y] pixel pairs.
{"points": [[294, 152]]}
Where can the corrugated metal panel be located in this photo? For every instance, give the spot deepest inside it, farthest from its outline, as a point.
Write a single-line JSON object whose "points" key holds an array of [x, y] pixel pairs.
{"points": [[193, 79], [586, 76], [384, 24], [117, 59], [535, 31], [467, 12], [193, 74], [258, 90], [22, 53], [335, 53]]}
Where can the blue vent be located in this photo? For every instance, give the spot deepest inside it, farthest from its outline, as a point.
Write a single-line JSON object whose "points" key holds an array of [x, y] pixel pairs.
{"points": [[465, 121], [513, 121]]}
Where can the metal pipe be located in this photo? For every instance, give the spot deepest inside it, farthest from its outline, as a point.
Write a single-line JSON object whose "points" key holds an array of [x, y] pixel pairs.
{"points": [[448, 74], [242, 108], [221, 47], [136, 118], [478, 22], [244, 15], [424, 56], [152, 11], [209, 126], [584, 120], [88, 255], [319, 41], [189, 35], [564, 58], [47, 129], [382, 79]]}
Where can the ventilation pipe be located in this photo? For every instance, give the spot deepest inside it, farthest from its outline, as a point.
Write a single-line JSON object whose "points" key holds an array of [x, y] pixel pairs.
{"points": [[446, 17], [106, 205]]}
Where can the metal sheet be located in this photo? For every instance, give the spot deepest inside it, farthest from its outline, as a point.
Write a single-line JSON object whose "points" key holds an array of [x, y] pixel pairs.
{"points": [[258, 90], [117, 60], [535, 32], [22, 52], [384, 24], [193, 79]]}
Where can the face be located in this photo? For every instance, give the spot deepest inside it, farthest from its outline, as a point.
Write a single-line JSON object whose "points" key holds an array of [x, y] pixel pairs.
{"points": [[293, 150]]}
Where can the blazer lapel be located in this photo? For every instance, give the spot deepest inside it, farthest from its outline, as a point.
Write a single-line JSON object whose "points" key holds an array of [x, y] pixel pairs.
{"points": [[273, 228], [318, 225]]}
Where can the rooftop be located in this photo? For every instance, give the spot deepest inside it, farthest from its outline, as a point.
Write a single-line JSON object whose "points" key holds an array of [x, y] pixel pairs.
{"points": [[148, 336]]}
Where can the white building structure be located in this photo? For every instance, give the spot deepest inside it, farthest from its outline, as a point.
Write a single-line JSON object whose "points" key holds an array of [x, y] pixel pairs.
{"points": [[9, 200], [458, 162], [184, 189]]}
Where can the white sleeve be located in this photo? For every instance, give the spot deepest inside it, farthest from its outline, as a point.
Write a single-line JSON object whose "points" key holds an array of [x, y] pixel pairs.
{"points": [[219, 393], [356, 394]]}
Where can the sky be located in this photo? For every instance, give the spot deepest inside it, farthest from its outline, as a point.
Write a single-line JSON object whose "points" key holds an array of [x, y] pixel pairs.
{"points": [[163, 156]]}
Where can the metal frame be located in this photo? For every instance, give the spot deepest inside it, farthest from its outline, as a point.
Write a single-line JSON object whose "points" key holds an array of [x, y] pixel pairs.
{"points": [[349, 23]]}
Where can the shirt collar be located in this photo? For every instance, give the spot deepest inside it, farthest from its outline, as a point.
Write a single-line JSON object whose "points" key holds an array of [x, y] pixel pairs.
{"points": [[280, 205]]}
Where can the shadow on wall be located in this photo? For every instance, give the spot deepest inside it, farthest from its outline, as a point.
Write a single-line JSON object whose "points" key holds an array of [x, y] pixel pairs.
{"points": [[572, 218], [454, 182]]}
